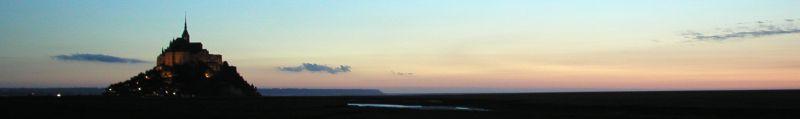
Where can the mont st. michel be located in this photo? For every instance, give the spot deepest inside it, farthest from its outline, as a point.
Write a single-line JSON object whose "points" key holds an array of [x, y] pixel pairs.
{"points": [[185, 69]]}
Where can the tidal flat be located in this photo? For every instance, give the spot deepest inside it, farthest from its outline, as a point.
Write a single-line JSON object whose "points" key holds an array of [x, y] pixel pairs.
{"points": [[743, 104]]}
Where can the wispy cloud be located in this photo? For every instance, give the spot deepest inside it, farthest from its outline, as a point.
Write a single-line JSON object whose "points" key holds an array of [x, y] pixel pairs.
{"points": [[96, 58], [757, 29], [402, 73], [311, 67]]}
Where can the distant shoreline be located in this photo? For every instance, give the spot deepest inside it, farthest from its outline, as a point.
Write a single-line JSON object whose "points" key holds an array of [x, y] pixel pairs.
{"points": [[90, 91], [263, 91]]}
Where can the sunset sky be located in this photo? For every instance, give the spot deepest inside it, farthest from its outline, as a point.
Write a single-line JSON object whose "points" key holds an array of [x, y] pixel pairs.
{"points": [[418, 46]]}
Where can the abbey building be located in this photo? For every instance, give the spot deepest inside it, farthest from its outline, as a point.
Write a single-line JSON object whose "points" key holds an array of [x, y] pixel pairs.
{"points": [[186, 69]]}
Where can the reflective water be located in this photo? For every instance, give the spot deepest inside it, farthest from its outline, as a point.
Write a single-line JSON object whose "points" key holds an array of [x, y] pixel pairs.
{"points": [[419, 107]]}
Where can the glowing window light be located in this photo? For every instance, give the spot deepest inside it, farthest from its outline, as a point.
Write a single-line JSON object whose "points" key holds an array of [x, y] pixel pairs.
{"points": [[167, 74], [58, 95], [207, 75]]}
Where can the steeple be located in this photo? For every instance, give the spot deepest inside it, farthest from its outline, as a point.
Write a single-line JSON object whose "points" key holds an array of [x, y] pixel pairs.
{"points": [[185, 29]]}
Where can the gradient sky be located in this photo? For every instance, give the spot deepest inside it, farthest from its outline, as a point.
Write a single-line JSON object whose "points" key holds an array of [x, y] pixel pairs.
{"points": [[448, 45]]}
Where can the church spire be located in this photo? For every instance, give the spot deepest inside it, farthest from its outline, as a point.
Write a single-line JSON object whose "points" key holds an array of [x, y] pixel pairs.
{"points": [[185, 29]]}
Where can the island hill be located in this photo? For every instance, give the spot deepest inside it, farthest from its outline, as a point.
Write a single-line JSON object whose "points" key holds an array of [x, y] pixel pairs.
{"points": [[185, 69]]}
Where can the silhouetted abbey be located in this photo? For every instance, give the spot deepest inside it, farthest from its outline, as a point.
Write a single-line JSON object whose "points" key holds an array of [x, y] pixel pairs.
{"points": [[186, 69]]}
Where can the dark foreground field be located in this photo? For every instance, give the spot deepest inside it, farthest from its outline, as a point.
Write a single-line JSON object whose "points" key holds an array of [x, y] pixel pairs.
{"points": [[617, 105]]}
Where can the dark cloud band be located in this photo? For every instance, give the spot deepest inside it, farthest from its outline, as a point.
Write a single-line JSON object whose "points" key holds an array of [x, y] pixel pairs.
{"points": [[759, 33], [96, 58], [759, 29], [311, 67]]}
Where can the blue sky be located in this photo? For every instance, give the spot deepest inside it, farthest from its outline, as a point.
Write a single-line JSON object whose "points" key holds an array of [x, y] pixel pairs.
{"points": [[478, 44]]}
